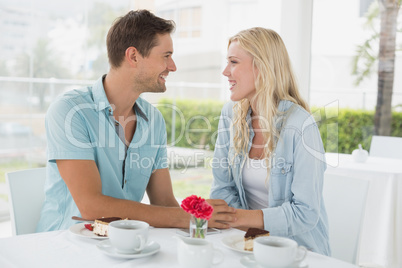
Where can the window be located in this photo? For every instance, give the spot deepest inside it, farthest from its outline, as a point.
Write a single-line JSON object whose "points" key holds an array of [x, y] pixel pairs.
{"points": [[188, 21]]}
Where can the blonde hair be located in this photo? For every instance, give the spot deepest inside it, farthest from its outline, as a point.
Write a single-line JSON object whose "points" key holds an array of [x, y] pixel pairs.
{"points": [[275, 81]]}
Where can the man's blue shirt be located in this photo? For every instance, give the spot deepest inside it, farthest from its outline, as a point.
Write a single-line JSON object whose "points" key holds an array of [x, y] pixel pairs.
{"points": [[80, 125]]}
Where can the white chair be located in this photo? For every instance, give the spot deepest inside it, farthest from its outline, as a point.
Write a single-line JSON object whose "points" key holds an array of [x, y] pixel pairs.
{"points": [[345, 201], [384, 146], [25, 196]]}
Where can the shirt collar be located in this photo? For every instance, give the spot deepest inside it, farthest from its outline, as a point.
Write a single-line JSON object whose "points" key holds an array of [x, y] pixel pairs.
{"points": [[284, 105], [102, 103], [99, 95], [139, 109]]}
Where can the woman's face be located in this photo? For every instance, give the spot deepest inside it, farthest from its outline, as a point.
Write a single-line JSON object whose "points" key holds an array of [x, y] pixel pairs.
{"points": [[239, 72]]}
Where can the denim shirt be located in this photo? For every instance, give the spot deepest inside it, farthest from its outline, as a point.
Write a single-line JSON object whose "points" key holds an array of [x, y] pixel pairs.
{"points": [[296, 208]]}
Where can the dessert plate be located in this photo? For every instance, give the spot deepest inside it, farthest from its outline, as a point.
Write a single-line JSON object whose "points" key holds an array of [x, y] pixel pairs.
{"points": [[236, 243], [80, 230], [107, 248], [249, 261]]}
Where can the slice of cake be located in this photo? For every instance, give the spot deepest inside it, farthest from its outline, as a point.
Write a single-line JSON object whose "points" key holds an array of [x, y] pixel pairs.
{"points": [[253, 233], [101, 225]]}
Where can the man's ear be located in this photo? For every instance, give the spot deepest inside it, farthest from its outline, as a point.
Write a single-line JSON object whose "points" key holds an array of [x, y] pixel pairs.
{"points": [[131, 56]]}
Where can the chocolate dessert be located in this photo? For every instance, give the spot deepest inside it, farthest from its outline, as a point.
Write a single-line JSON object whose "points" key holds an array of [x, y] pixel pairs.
{"points": [[101, 225], [251, 234]]}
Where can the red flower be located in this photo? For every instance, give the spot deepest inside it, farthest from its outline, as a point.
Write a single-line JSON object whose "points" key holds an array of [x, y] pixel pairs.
{"points": [[198, 207]]}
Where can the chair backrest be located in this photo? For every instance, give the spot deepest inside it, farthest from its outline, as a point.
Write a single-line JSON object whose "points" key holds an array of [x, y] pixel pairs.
{"points": [[26, 196], [384, 146], [345, 201]]}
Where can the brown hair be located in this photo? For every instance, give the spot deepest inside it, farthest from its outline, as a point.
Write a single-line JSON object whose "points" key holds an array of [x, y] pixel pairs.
{"points": [[138, 29]]}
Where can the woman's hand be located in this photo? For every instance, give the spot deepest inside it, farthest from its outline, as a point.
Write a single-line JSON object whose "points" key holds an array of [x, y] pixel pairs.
{"points": [[248, 218], [223, 216]]}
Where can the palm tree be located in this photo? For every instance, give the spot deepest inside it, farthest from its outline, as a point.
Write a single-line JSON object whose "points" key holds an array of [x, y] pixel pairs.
{"points": [[386, 62], [367, 56]]}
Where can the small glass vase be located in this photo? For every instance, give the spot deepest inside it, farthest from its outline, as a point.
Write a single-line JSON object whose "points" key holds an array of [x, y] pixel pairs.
{"points": [[198, 227]]}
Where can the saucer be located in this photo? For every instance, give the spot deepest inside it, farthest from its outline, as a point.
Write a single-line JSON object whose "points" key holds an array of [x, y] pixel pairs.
{"points": [[236, 243], [249, 261], [107, 248], [80, 230]]}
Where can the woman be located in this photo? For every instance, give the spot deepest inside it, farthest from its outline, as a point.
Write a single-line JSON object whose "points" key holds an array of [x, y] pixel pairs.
{"points": [[269, 158]]}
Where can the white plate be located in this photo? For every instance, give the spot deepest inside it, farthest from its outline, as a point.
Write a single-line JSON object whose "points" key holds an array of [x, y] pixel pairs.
{"points": [[108, 249], [249, 261], [235, 242], [80, 230]]}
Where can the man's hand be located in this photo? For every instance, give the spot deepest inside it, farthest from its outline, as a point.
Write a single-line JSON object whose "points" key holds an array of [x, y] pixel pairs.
{"points": [[223, 215], [84, 183]]}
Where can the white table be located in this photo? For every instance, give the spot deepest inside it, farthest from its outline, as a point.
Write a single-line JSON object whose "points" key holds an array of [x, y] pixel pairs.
{"points": [[382, 226], [64, 249]]}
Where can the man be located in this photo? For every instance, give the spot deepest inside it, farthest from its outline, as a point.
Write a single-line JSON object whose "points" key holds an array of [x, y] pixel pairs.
{"points": [[107, 146]]}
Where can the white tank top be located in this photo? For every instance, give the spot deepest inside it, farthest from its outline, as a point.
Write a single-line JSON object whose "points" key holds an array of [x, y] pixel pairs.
{"points": [[255, 183]]}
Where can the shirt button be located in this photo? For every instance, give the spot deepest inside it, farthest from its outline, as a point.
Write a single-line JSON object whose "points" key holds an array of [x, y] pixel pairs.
{"points": [[110, 110], [283, 171], [125, 181], [116, 123]]}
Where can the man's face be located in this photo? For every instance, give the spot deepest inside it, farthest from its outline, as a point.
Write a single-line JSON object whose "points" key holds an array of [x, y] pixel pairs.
{"points": [[153, 70]]}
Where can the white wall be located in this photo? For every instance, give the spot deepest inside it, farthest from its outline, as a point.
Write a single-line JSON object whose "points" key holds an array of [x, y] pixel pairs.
{"points": [[222, 19]]}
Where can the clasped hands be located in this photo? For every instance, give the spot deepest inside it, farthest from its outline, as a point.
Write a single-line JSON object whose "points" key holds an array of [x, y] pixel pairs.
{"points": [[223, 216]]}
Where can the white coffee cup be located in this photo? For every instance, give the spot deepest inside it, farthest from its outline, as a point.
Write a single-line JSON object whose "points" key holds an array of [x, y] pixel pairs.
{"points": [[128, 236], [278, 252], [197, 253]]}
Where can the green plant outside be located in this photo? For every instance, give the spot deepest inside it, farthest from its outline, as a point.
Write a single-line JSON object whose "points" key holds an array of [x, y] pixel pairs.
{"points": [[200, 118], [182, 189], [342, 130]]}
